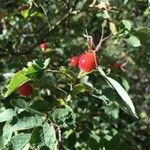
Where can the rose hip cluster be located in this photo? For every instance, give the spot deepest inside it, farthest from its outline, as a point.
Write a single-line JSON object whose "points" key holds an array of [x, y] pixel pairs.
{"points": [[86, 62]]}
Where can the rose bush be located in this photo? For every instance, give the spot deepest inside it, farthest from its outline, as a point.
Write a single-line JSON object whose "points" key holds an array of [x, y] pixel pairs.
{"points": [[53, 99]]}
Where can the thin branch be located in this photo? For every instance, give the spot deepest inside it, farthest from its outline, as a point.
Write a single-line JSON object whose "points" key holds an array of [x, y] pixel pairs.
{"points": [[28, 52], [98, 47], [107, 37], [51, 30], [67, 3], [54, 16], [100, 41]]}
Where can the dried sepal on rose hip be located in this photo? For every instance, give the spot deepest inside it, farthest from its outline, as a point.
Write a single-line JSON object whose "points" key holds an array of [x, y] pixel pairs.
{"points": [[25, 89]]}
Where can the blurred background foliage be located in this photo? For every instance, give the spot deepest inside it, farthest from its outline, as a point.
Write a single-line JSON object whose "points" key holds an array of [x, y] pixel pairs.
{"points": [[24, 24]]}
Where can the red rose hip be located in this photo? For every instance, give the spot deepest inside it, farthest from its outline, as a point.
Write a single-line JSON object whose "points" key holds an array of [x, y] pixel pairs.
{"points": [[43, 46], [74, 61], [25, 89], [88, 62]]}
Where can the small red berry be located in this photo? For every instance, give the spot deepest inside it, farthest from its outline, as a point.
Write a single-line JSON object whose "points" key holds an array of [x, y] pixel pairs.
{"points": [[25, 89], [74, 61], [88, 62], [43, 46]]}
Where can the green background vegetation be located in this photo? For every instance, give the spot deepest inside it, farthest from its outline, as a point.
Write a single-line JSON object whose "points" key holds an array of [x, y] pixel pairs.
{"points": [[83, 121]]}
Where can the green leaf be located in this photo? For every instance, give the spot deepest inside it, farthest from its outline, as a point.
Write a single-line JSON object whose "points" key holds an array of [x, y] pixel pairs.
{"points": [[113, 28], [20, 142], [50, 136], [18, 79], [143, 30], [126, 101], [101, 97], [125, 84], [40, 105], [7, 133], [68, 73], [70, 138], [37, 137], [80, 88], [36, 109], [2, 142], [125, 2], [36, 68], [112, 111], [27, 122], [44, 136], [7, 115], [32, 72], [107, 95], [143, 34], [46, 63], [64, 116], [133, 41], [20, 103], [127, 24], [40, 64], [25, 13], [85, 80]]}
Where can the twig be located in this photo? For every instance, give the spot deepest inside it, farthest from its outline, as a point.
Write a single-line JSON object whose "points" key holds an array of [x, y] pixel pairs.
{"points": [[100, 41], [28, 52], [51, 30], [43, 26], [67, 3], [98, 47]]}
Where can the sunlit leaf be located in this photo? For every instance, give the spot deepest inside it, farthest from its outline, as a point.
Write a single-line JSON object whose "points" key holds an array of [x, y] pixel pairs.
{"points": [[134, 41], [6, 115], [126, 101], [20, 142]]}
